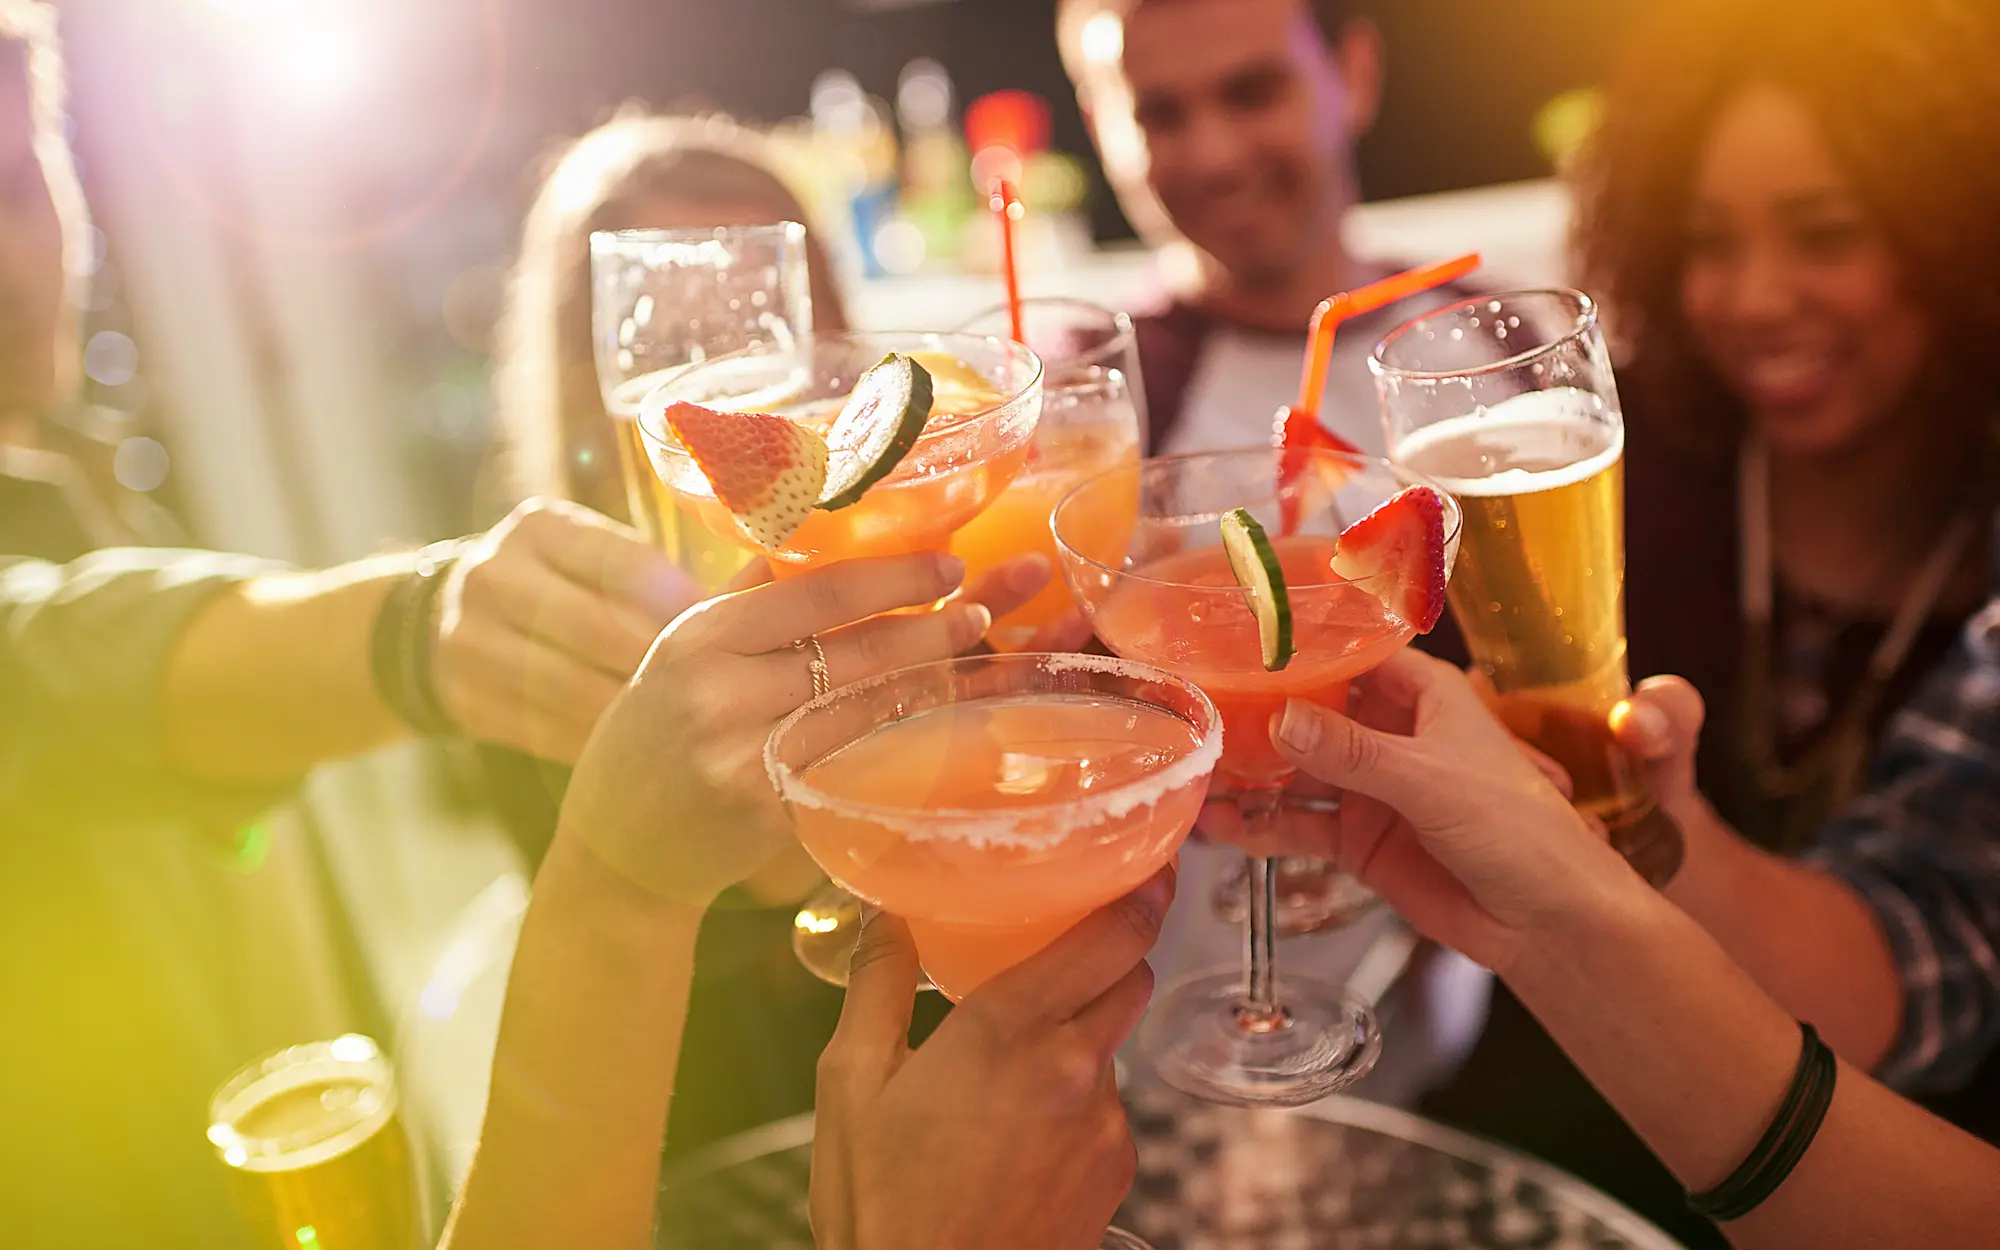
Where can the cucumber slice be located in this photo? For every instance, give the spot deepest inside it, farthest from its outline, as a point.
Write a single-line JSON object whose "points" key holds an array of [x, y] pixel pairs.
{"points": [[1255, 563], [878, 425]]}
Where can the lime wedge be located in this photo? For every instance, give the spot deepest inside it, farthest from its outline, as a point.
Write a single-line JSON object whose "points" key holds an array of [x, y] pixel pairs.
{"points": [[1255, 563], [877, 426]]}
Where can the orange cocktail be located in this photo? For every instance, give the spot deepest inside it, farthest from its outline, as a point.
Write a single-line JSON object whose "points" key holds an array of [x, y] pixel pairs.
{"points": [[1171, 615], [1351, 558], [994, 801], [1088, 425], [987, 398]]}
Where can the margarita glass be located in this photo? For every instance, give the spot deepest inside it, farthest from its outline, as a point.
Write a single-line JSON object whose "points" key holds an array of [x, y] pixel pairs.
{"points": [[1169, 598], [987, 398], [994, 801]]}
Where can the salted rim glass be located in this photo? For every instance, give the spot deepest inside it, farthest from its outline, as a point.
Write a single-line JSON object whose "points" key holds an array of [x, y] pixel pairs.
{"points": [[918, 688]]}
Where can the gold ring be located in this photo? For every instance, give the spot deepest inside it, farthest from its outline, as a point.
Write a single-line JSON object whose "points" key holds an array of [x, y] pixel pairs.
{"points": [[822, 680]]}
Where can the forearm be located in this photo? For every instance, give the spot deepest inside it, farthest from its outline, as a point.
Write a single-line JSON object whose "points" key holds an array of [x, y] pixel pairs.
{"points": [[1697, 1058], [1808, 939], [274, 675], [589, 1040]]}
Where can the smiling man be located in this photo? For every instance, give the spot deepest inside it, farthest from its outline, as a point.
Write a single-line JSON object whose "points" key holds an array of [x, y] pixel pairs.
{"points": [[1230, 125]]}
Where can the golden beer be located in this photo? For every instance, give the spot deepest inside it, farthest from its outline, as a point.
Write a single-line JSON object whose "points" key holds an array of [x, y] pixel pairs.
{"points": [[709, 560], [1539, 586], [317, 1152]]}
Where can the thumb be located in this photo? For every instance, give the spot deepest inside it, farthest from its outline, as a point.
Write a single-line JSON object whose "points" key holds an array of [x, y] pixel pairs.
{"points": [[874, 1029], [1327, 745], [1661, 722]]}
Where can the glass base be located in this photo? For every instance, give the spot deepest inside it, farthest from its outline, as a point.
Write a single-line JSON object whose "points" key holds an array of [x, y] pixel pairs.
{"points": [[1201, 1039], [1313, 896], [1119, 1239], [825, 932]]}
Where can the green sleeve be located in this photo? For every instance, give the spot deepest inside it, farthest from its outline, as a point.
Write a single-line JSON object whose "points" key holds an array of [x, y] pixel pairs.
{"points": [[83, 652]]}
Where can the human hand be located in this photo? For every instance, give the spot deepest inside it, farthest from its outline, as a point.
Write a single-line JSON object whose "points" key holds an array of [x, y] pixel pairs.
{"points": [[671, 789], [1003, 1130], [542, 621], [1444, 814], [1661, 726]]}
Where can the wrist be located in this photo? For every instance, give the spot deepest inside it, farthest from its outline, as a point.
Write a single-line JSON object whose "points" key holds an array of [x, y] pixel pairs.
{"points": [[597, 887], [1617, 909]]}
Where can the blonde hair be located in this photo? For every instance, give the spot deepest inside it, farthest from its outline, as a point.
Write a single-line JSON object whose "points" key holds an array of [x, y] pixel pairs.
{"points": [[556, 437]]}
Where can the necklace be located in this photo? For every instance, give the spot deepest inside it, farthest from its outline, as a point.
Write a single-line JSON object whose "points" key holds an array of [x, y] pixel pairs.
{"points": [[1831, 769]]}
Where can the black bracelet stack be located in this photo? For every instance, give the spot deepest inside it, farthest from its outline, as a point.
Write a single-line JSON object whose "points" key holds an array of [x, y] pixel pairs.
{"points": [[401, 648], [1784, 1143]]}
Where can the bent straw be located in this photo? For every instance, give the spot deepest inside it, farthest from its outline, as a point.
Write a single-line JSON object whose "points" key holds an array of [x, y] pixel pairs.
{"points": [[1007, 206], [1298, 427], [1327, 318]]}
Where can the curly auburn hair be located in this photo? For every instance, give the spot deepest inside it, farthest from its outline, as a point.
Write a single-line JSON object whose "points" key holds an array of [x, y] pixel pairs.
{"points": [[1908, 98]]}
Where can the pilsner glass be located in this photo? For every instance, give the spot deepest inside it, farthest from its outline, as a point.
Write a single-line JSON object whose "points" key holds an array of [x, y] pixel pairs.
{"points": [[316, 1149], [1509, 402], [665, 299]]}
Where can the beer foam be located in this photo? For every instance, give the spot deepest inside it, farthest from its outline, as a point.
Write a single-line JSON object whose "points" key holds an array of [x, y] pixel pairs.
{"points": [[1052, 823], [1541, 425]]}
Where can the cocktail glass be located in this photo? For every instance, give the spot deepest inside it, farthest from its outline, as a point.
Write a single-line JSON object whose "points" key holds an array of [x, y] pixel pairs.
{"points": [[994, 801], [664, 299], [1089, 424], [1168, 598], [988, 398], [1072, 335]]}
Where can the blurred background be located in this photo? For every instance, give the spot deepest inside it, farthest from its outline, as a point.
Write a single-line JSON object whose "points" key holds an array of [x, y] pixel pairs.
{"points": [[324, 194]]}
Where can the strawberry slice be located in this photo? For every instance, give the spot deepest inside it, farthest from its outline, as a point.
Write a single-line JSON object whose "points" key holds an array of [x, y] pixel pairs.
{"points": [[1295, 429], [1399, 550], [766, 470]]}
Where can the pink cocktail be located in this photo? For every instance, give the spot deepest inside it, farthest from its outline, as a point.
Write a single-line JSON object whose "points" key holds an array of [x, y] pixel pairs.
{"points": [[994, 801], [1168, 597]]}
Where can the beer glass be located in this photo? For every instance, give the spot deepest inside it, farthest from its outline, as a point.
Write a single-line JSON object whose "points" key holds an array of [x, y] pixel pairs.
{"points": [[664, 299], [316, 1149], [1508, 401]]}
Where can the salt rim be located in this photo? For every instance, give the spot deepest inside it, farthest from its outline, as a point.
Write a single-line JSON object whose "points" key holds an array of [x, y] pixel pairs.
{"points": [[1454, 516], [983, 827]]}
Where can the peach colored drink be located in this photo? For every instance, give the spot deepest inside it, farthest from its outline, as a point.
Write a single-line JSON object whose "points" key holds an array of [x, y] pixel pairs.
{"points": [[1342, 631], [986, 400], [975, 821], [1018, 522]]}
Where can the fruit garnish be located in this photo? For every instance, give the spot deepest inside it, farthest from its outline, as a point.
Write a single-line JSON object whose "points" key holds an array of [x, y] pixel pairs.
{"points": [[766, 470], [1397, 551], [878, 425], [1299, 434], [1255, 563]]}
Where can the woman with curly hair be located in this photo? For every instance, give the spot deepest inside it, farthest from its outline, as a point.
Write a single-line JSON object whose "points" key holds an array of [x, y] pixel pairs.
{"points": [[1791, 214]]}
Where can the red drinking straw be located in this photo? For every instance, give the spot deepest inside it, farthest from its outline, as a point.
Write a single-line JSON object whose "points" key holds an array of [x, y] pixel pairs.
{"points": [[1007, 206], [1297, 427]]}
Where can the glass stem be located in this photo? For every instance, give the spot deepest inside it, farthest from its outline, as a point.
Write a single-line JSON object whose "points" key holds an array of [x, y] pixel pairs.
{"points": [[1260, 1007]]}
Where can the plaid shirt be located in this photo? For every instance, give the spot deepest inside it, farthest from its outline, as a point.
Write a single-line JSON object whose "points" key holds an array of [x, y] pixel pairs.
{"points": [[1922, 847]]}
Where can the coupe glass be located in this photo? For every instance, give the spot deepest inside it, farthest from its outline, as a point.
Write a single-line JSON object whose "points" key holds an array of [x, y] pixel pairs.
{"points": [[1167, 597], [993, 801], [988, 396], [665, 299]]}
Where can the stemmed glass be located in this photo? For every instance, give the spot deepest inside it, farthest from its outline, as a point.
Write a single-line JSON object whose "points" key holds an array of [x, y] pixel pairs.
{"points": [[994, 801], [665, 299], [1167, 597]]}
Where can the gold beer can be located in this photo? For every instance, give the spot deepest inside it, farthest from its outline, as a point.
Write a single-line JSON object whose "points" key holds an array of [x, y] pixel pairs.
{"points": [[316, 1149]]}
